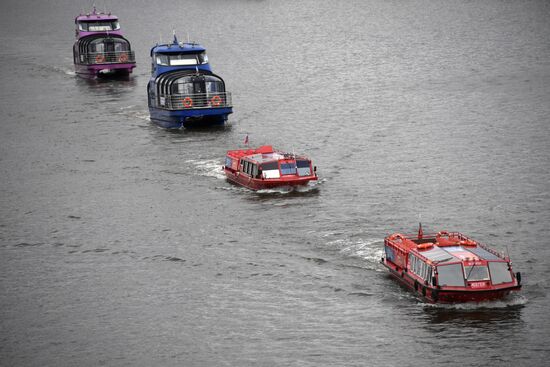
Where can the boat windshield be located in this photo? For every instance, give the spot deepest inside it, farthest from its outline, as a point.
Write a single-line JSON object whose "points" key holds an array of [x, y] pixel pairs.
{"points": [[476, 272], [101, 26], [450, 275], [271, 169], [288, 168], [303, 167], [500, 273], [181, 59]]}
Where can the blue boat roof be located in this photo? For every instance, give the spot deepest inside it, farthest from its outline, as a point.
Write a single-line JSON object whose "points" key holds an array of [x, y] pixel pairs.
{"points": [[178, 48]]}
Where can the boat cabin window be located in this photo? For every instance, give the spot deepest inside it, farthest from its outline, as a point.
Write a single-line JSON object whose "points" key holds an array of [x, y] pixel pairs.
{"points": [[450, 275], [270, 169], [476, 272], [420, 268], [173, 59], [109, 45], [99, 26], [228, 162], [304, 167], [250, 168], [500, 273], [288, 168], [198, 84]]}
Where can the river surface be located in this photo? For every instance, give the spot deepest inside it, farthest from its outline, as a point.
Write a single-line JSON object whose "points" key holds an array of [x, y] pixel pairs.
{"points": [[121, 244]]}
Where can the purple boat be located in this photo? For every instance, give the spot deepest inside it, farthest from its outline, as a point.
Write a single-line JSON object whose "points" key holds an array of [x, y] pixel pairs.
{"points": [[100, 49]]}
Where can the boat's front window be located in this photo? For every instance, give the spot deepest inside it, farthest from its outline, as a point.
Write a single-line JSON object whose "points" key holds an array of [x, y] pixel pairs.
{"points": [[270, 169], [214, 85], [102, 26], [476, 272], [499, 272], [304, 167], [182, 59], [288, 168], [450, 275], [109, 45]]}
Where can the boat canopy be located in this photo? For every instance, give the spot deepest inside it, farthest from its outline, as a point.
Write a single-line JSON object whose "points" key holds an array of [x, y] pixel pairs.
{"points": [[102, 43], [189, 82]]}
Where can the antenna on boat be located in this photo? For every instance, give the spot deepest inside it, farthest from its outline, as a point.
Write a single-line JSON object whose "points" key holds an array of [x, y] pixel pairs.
{"points": [[188, 40], [175, 38]]}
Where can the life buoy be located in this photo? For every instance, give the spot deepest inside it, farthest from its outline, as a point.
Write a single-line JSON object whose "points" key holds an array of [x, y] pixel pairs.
{"points": [[216, 101], [424, 246], [442, 234], [187, 102], [123, 57], [99, 58], [467, 243], [396, 236]]}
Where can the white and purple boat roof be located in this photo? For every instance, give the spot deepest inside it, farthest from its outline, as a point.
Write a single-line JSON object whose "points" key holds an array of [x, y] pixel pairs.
{"points": [[97, 23]]}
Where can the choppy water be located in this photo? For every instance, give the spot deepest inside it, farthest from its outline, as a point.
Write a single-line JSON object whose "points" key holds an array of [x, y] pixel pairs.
{"points": [[121, 244]]}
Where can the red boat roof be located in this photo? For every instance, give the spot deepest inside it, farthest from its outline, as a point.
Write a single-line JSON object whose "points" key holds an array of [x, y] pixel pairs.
{"points": [[261, 154], [444, 247]]}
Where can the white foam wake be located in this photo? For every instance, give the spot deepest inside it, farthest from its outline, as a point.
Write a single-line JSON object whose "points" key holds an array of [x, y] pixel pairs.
{"points": [[209, 168]]}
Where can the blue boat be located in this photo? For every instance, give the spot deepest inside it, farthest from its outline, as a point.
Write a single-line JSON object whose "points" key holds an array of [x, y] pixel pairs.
{"points": [[183, 91]]}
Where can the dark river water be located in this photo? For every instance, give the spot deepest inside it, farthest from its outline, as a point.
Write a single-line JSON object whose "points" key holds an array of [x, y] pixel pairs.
{"points": [[121, 244]]}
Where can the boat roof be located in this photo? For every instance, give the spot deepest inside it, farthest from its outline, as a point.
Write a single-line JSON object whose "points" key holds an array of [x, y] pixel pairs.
{"points": [[95, 16], [175, 47], [262, 154], [452, 248]]}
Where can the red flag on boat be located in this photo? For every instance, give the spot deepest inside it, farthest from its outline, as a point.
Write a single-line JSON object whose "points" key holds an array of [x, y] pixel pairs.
{"points": [[420, 232], [246, 140]]}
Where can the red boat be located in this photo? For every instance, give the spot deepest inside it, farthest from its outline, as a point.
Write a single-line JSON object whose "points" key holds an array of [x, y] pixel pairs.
{"points": [[449, 267], [266, 168]]}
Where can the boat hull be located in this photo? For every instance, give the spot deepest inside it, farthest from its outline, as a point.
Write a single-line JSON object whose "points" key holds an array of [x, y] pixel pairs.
{"points": [[432, 294], [176, 119], [263, 184], [104, 70]]}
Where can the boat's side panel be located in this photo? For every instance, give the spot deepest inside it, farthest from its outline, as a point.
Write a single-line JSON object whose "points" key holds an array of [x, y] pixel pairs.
{"points": [[100, 69], [437, 295], [189, 118], [259, 184]]}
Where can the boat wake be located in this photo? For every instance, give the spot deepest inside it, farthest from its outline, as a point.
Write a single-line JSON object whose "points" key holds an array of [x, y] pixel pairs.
{"points": [[284, 190], [130, 111], [512, 301], [368, 250], [209, 168]]}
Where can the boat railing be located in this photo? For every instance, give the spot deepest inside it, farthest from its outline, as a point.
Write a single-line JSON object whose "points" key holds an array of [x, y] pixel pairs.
{"points": [[461, 237], [196, 101], [111, 57]]}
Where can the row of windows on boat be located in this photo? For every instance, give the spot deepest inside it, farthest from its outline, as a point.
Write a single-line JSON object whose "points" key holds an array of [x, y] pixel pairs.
{"points": [[300, 167], [95, 49], [171, 89], [180, 59], [456, 274], [98, 26]]}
